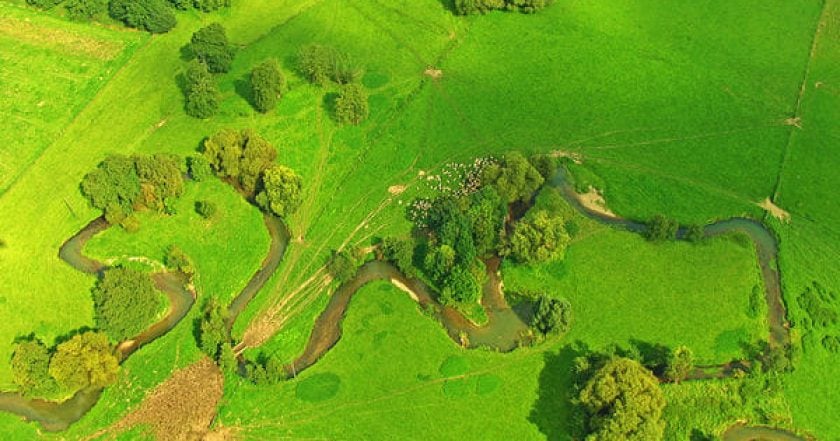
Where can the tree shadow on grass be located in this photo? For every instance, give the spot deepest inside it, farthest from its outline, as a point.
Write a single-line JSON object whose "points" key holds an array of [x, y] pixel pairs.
{"points": [[553, 412], [330, 99], [449, 5], [242, 86]]}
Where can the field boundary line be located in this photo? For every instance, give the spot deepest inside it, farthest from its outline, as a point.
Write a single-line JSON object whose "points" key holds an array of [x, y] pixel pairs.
{"points": [[797, 108], [75, 117]]}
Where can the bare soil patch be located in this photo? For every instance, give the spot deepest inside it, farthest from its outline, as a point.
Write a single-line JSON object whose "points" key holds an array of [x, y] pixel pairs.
{"points": [[182, 407], [577, 158], [434, 73], [774, 210], [396, 189], [593, 200]]}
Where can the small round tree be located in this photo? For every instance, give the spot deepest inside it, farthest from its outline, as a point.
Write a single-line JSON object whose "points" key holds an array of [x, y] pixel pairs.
{"points": [[281, 192], [266, 85], [210, 45], [351, 106]]}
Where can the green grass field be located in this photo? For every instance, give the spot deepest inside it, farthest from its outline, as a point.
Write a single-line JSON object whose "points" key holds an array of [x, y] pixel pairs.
{"points": [[677, 112]]}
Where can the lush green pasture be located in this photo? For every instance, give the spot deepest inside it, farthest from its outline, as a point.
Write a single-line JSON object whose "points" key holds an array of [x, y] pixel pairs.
{"points": [[51, 70], [811, 242], [623, 289], [226, 249]]}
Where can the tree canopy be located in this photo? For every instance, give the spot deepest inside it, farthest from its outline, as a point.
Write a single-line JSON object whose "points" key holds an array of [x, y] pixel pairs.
{"points": [[281, 191], [538, 237], [30, 368], [321, 64], [240, 155], [623, 401], [514, 177], [210, 46], [467, 7], [679, 364], [87, 359], [125, 302], [202, 96], [552, 315], [154, 16], [661, 228], [351, 106], [267, 83]]}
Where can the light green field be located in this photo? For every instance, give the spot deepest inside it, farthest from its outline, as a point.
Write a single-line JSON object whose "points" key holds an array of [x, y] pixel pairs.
{"points": [[676, 112], [671, 293]]}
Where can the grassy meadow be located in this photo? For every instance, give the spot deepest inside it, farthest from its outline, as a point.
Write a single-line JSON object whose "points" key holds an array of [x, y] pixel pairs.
{"points": [[675, 113]]}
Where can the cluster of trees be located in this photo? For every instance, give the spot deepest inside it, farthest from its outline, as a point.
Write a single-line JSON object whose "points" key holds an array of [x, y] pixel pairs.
{"points": [[322, 64], [343, 264], [85, 360], [125, 302], [551, 315], [213, 54], [265, 370], [206, 209], [201, 5], [467, 7], [538, 237], [76, 9], [247, 160], [661, 228], [122, 184], [154, 16]]}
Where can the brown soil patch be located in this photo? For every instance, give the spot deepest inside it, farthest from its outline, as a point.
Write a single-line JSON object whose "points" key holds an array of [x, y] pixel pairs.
{"points": [[182, 407], [396, 189], [794, 122], [434, 73], [774, 210], [58, 39], [593, 200], [577, 158]]}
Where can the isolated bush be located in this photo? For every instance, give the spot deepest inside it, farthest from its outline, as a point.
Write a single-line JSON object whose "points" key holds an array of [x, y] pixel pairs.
{"points": [[320, 64], [30, 369], [85, 9], [266, 85], [206, 209], [281, 191], [695, 233], [623, 401], [202, 96], [660, 228], [210, 46], [44, 4], [154, 16], [200, 168], [125, 302], [177, 259], [85, 360], [342, 265], [679, 364], [551, 315], [514, 177], [538, 238], [351, 106]]}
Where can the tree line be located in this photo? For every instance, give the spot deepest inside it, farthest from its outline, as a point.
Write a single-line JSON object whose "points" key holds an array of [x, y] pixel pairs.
{"points": [[155, 16]]}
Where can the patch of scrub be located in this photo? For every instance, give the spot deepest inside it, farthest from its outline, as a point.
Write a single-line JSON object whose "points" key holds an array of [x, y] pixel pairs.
{"points": [[319, 387], [454, 365], [487, 384]]}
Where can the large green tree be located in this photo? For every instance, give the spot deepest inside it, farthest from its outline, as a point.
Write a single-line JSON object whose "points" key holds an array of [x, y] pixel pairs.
{"points": [[202, 96], [538, 237], [351, 106], [281, 191], [266, 85], [241, 155], [85, 360], [552, 315], [30, 368], [211, 46], [514, 177], [213, 330], [113, 187], [125, 302], [623, 402], [679, 364], [486, 213]]}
